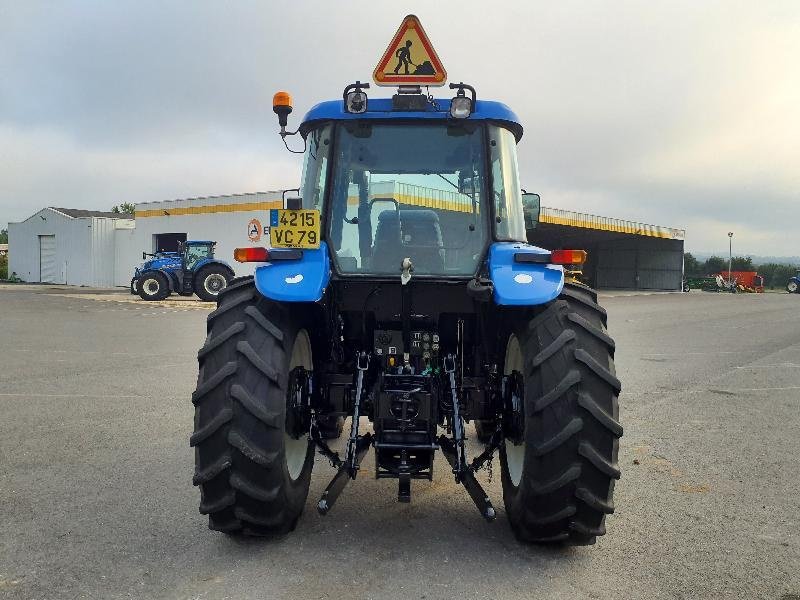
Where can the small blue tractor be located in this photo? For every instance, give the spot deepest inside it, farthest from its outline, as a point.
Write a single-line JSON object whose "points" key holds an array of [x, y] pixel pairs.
{"points": [[399, 287], [793, 287], [193, 270]]}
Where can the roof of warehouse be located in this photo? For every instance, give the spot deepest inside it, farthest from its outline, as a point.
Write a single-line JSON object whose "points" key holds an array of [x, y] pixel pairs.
{"points": [[78, 213], [570, 218]]}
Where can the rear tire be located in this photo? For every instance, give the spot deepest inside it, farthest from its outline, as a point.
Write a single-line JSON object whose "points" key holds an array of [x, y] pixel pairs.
{"points": [[558, 480], [253, 475], [792, 287], [153, 286], [210, 281]]}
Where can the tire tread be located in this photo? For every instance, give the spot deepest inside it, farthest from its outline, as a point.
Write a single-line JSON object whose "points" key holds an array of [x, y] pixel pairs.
{"points": [[571, 403], [240, 404]]}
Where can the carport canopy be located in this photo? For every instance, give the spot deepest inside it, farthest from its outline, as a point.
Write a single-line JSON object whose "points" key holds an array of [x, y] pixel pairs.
{"points": [[621, 254]]}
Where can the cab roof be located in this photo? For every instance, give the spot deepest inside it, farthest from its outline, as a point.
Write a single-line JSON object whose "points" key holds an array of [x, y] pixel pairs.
{"points": [[381, 108]]}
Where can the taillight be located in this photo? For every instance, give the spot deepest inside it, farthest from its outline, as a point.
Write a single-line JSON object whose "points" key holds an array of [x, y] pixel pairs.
{"points": [[568, 257], [252, 254]]}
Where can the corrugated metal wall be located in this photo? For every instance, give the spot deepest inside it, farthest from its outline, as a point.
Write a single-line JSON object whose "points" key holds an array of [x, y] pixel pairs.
{"points": [[84, 249], [644, 264], [103, 251]]}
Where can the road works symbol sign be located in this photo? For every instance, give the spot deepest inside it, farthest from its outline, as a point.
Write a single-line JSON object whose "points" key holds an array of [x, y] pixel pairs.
{"points": [[254, 230], [410, 58]]}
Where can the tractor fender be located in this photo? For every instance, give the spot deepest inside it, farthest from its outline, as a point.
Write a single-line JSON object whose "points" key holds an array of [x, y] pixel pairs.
{"points": [[522, 284], [302, 280]]}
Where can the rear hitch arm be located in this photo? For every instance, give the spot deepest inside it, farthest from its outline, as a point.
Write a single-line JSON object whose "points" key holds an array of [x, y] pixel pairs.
{"points": [[453, 450], [343, 476], [467, 478], [357, 446]]}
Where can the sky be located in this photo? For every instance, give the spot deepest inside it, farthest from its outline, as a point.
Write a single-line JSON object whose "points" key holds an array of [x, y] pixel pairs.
{"points": [[677, 113]]}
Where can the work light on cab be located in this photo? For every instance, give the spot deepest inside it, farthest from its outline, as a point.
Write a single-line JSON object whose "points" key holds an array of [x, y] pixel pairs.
{"points": [[461, 106], [355, 99]]}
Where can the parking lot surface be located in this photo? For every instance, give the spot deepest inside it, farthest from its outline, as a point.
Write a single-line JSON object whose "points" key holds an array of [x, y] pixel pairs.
{"points": [[96, 499]]}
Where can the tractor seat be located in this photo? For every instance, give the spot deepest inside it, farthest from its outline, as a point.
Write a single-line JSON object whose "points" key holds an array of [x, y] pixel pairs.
{"points": [[422, 241]]}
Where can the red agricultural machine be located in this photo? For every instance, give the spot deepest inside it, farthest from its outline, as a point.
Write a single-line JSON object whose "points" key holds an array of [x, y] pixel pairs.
{"points": [[744, 281]]}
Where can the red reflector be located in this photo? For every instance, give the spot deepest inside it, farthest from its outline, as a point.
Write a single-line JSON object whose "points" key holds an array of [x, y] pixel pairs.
{"points": [[251, 255], [568, 257]]}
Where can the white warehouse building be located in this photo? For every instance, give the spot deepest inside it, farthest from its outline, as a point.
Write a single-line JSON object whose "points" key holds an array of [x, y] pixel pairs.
{"points": [[68, 246]]}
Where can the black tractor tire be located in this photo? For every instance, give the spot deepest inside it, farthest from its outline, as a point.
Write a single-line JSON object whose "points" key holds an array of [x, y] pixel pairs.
{"points": [[558, 485], [210, 281], [686, 287], [484, 430], [330, 428], [792, 287], [133, 286], [253, 476], [153, 286]]}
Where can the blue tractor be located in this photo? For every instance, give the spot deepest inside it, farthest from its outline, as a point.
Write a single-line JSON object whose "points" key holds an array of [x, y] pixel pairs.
{"points": [[193, 270], [793, 287], [399, 287]]}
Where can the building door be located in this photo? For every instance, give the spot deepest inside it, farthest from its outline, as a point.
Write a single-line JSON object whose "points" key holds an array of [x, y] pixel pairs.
{"points": [[616, 268], [47, 259], [168, 242]]}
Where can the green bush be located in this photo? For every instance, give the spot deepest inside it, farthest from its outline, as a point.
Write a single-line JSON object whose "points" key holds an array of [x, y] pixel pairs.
{"points": [[3, 267], [776, 275]]}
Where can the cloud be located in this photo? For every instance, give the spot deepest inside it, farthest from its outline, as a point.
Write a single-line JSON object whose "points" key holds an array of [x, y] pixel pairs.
{"points": [[42, 168], [675, 113]]}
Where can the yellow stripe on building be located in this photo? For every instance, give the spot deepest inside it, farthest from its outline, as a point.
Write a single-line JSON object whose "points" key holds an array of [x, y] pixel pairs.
{"points": [[209, 209]]}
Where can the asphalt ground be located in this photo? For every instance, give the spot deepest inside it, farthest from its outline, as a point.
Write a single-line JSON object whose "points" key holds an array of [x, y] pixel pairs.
{"points": [[96, 498]]}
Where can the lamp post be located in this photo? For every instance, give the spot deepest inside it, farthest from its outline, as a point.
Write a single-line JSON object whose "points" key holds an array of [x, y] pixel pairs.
{"points": [[730, 255]]}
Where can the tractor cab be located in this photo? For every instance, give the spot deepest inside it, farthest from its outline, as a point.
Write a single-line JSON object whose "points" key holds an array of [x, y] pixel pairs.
{"points": [[196, 253], [401, 187], [412, 185]]}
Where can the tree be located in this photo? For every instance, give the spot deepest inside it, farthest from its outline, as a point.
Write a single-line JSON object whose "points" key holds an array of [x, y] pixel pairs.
{"points": [[776, 275], [742, 263], [127, 208], [3, 236], [691, 267], [714, 265]]}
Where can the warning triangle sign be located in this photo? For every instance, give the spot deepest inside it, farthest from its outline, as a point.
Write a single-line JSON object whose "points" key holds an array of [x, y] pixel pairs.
{"points": [[410, 58]]}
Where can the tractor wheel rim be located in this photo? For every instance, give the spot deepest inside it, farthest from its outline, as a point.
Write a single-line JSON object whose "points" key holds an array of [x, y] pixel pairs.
{"points": [[296, 449], [792, 287], [214, 283], [151, 286], [515, 453]]}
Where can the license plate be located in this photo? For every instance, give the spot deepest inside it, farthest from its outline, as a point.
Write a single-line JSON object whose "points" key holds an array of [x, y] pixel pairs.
{"points": [[294, 228]]}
